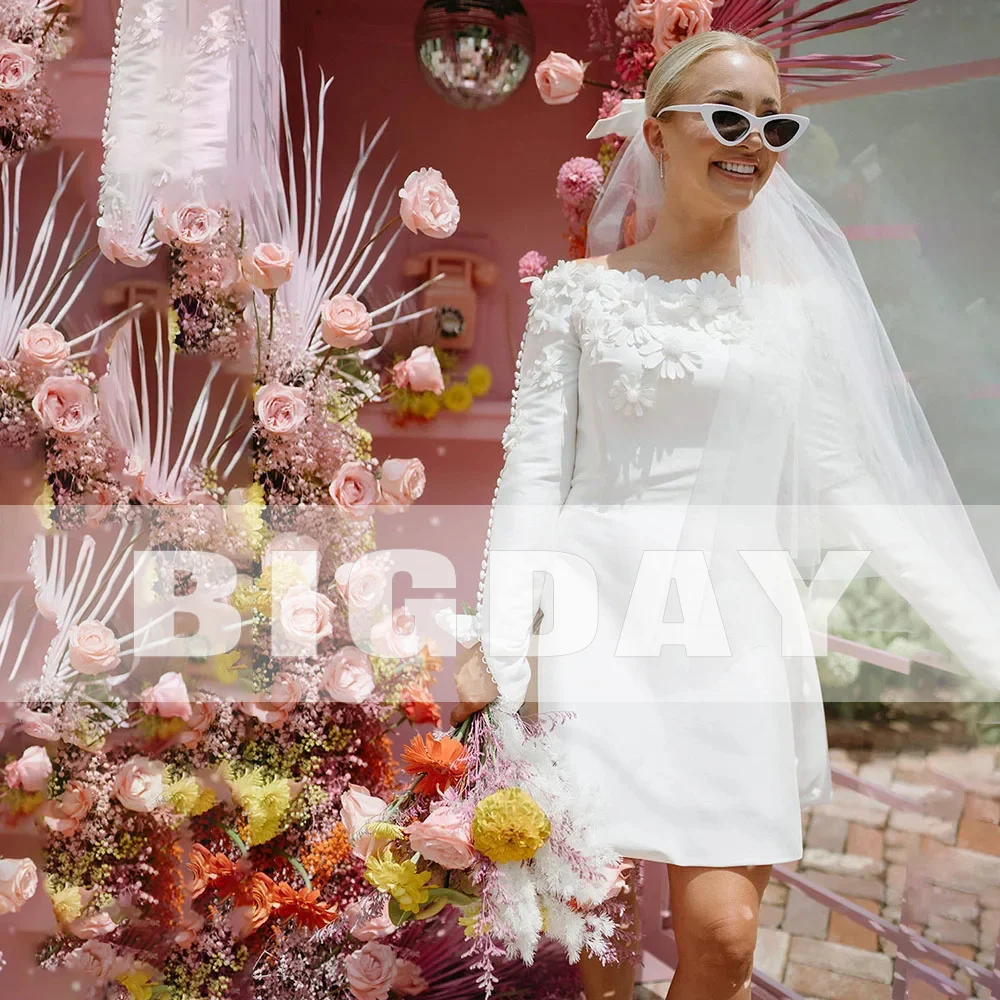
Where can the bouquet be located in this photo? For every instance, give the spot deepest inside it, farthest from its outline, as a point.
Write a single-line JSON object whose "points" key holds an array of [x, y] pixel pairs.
{"points": [[493, 827]]}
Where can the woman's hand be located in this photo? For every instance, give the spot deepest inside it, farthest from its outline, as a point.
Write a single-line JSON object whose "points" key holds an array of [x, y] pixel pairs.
{"points": [[476, 688]]}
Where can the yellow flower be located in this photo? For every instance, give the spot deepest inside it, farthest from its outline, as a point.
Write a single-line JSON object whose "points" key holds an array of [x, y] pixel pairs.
{"points": [[426, 405], [189, 797], [138, 982], [67, 903], [470, 919], [45, 503], [457, 396], [509, 825], [278, 577], [173, 329], [266, 807], [479, 379], [398, 878], [382, 830], [226, 666]]}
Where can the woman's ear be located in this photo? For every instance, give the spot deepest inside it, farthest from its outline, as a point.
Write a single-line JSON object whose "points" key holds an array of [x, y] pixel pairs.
{"points": [[654, 137]]}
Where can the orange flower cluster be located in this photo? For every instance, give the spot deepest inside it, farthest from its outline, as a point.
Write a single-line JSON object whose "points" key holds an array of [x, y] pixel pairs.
{"points": [[441, 761], [256, 896], [323, 858]]}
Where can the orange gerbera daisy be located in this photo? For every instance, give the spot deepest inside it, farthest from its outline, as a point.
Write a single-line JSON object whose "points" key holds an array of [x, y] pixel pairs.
{"points": [[303, 905], [441, 761], [419, 706]]}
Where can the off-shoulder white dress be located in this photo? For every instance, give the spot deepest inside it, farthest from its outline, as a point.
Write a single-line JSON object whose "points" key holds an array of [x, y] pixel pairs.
{"points": [[694, 760]]}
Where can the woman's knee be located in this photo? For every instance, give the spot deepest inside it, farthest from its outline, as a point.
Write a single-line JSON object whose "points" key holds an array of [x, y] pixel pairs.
{"points": [[721, 949]]}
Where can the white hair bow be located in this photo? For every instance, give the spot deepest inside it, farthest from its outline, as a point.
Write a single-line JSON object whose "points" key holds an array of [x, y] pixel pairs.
{"points": [[627, 121]]}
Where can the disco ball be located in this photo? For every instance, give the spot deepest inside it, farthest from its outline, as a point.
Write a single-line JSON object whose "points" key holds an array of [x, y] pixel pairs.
{"points": [[474, 53]]}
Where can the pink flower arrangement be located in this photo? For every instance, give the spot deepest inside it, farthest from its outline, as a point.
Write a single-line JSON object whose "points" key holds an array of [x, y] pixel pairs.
{"points": [[532, 265], [578, 184]]}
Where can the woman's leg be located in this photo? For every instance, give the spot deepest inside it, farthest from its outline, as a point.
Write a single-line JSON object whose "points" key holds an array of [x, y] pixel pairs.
{"points": [[612, 982], [715, 913]]}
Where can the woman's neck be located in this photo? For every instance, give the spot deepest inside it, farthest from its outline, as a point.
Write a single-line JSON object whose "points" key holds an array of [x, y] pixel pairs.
{"points": [[689, 243]]}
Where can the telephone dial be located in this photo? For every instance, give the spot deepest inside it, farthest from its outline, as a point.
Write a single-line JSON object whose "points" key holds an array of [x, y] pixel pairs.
{"points": [[452, 324]]}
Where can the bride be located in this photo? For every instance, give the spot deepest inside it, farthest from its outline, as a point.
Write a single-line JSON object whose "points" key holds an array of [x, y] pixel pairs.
{"points": [[728, 360]]}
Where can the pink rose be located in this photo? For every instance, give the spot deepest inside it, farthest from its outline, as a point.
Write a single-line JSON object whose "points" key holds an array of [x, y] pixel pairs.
{"points": [[421, 371], [345, 322], [42, 345], [354, 489], [403, 478], [37, 725], [348, 677], [268, 267], [366, 928], [395, 637], [445, 838], [362, 586], [194, 224], [167, 698], [95, 959], [18, 882], [679, 19], [64, 814], [93, 648], [274, 708], [282, 409], [643, 12], [93, 926], [198, 723], [120, 248], [30, 771], [306, 616], [65, 404], [139, 785], [371, 971], [409, 979], [357, 808], [427, 205], [559, 78], [17, 65]]}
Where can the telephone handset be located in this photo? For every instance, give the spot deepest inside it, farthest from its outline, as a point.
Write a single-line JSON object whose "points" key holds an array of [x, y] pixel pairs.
{"points": [[452, 324]]}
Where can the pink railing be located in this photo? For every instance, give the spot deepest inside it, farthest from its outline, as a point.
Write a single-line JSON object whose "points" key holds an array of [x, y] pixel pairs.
{"points": [[913, 950]]}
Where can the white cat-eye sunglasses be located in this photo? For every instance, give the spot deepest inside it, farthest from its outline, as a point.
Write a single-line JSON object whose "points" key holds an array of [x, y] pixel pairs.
{"points": [[732, 125]]}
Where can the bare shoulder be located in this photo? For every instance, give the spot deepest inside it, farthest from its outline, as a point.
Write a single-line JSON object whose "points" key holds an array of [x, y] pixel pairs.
{"points": [[594, 260]]}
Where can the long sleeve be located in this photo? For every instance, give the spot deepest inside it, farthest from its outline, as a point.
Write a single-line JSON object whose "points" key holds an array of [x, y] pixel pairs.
{"points": [[540, 448], [927, 552]]}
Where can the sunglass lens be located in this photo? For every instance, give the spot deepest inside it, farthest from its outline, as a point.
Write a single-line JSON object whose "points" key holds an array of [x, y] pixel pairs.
{"points": [[732, 125], [781, 131]]}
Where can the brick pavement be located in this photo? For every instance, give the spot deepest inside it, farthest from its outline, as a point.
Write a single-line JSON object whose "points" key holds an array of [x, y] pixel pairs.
{"points": [[864, 850]]}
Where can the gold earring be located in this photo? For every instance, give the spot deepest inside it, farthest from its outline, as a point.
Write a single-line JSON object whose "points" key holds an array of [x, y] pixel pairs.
{"points": [[661, 165]]}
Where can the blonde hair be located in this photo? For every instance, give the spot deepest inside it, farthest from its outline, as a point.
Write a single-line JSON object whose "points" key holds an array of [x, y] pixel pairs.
{"points": [[668, 74]]}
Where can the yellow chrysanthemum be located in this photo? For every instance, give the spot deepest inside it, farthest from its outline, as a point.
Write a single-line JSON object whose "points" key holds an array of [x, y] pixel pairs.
{"points": [[382, 830], [479, 379], [266, 808], [138, 982], [244, 783], [426, 405], [45, 503], [398, 878], [189, 797], [279, 576], [225, 667], [509, 825], [470, 919], [457, 396], [67, 903]]}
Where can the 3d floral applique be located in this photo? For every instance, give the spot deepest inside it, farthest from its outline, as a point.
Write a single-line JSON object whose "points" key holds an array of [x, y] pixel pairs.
{"points": [[670, 353], [629, 395], [550, 367]]}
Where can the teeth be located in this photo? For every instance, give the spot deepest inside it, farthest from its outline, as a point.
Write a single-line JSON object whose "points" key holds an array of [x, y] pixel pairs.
{"points": [[738, 168]]}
